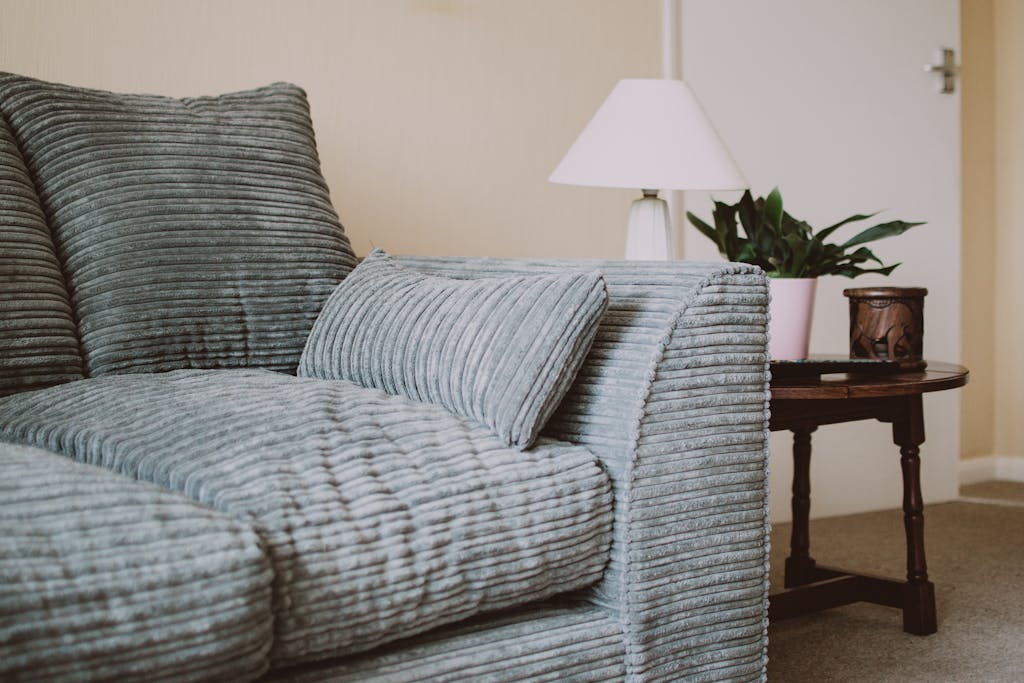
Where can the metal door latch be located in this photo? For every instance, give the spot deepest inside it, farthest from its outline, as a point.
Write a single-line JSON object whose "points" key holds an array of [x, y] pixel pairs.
{"points": [[948, 69]]}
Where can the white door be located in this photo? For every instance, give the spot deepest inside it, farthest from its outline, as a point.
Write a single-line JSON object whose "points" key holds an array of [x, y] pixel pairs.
{"points": [[829, 100]]}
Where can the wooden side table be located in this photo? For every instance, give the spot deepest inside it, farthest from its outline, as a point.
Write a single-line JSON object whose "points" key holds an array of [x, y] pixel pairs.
{"points": [[801, 405]]}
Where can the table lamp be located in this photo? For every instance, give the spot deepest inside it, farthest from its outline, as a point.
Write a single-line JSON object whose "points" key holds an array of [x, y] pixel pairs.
{"points": [[650, 134]]}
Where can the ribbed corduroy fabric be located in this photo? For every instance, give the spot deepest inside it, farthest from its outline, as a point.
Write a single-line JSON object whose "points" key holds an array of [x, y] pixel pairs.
{"points": [[102, 578], [194, 233], [382, 517], [673, 398], [501, 351], [544, 643], [38, 344]]}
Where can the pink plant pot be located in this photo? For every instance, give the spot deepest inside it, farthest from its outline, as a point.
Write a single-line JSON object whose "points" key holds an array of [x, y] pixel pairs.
{"points": [[790, 311]]}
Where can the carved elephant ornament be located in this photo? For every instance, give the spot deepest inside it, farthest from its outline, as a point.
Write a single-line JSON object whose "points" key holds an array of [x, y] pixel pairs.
{"points": [[887, 324]]}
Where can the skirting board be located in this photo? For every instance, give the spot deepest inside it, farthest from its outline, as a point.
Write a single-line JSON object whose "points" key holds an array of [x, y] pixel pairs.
{"points": [[1003, 467]]}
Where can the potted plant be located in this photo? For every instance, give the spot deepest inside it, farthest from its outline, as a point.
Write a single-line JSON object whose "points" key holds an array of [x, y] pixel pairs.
{"points": [[794, 256]]}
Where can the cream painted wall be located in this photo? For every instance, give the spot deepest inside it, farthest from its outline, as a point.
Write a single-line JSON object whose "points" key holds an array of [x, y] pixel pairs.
{"points": [[979, 224], [993, 240], [1008, 314], [438, 121]]}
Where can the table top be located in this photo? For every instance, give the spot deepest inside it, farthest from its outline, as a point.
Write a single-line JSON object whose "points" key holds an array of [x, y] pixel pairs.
{"points": [[936, 377]]}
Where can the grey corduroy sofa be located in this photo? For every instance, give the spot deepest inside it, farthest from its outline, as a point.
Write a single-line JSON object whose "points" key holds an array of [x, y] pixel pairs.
{"points": [[176, 504]]}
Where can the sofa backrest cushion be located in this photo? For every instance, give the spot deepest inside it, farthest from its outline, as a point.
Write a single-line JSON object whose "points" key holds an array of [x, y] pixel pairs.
{"points": [[500, 351], [37, 329], [194, 233]]}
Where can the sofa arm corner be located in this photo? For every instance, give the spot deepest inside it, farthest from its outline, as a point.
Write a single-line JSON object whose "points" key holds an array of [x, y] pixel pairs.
{"points": [[689, 569], [673, 400]]}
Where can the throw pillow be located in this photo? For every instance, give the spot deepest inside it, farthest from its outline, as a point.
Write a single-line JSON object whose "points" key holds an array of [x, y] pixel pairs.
{"points": [[37, 329], [501, 351], [194, 233]]}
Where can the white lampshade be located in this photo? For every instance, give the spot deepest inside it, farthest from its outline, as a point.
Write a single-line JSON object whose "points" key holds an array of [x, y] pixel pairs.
{"points": [[650, 134]]}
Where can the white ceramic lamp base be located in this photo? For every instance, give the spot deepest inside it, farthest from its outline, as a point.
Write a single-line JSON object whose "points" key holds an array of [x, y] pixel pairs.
{"points": [[790, 310], [649, 236]]}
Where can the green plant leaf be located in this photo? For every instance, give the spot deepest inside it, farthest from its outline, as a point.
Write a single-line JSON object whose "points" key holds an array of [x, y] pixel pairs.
{"points": [[725, 227], [791, 225], [773, 209], [788, 225], [863, 255], [747, 253], [826, 260], [749, 215], [785, 246], [815, 250], [825, 232], [854, 271], [877, 232], [705, 229]]}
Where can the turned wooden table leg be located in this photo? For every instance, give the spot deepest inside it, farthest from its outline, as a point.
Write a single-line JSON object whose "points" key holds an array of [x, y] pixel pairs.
{"points": [[919, 592], [800, 565]]}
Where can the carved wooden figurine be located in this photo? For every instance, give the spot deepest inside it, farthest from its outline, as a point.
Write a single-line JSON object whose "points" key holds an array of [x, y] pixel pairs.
{"points": [[887, 323]]}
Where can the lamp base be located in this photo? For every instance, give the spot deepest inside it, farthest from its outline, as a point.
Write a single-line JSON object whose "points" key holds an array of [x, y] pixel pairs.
{"points": [[649, 235]]}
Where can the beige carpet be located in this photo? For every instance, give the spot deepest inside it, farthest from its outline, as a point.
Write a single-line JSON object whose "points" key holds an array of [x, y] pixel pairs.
{"points": [[975, 551]]}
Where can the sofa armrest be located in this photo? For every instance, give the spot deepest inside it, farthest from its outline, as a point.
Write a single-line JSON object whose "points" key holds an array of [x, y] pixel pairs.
{"points": [[673, 399]]}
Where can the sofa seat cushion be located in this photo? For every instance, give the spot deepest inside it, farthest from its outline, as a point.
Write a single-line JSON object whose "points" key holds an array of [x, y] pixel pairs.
{"points": [[382, 517], [550, 642], [103, 578]]}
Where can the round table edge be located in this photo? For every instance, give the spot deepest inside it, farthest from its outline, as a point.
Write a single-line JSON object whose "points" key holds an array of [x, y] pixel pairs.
{"points": [[936, 377]]}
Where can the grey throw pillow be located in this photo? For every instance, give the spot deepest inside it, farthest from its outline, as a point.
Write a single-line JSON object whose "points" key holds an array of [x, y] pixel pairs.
{"points": [[501, 351], [38, 345], [194, 233]]}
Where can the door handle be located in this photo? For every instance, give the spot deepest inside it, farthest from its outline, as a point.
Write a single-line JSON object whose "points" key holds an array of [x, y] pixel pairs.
{"points": [[948, 69]]}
